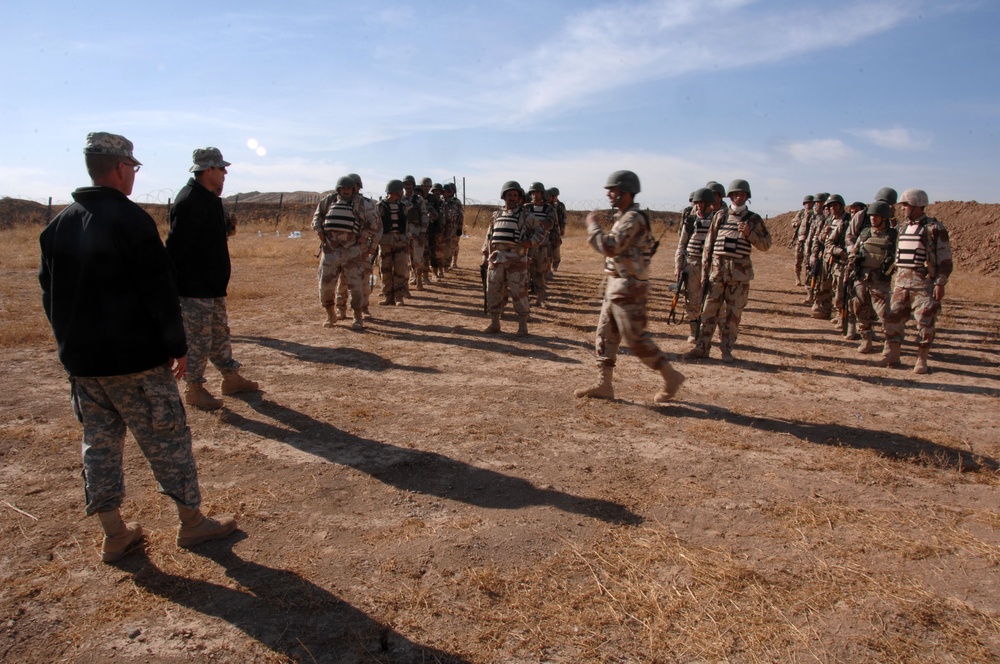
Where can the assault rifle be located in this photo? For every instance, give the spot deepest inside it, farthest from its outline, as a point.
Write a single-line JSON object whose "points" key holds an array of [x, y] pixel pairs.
{"points": [[850, 276], [677, 289]]}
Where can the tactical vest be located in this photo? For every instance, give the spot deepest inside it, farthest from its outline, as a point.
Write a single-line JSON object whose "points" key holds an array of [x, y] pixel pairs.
{"points": [[804, 224], [340, 218], [507, 227], [696, 240], [874, 249], [393, 217], [729, 241], [449, 211], [911, 249], [541, 214]]}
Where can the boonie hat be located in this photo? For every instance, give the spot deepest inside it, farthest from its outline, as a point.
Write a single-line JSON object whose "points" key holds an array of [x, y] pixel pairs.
{"points": [[101, 142], [205, 158]]}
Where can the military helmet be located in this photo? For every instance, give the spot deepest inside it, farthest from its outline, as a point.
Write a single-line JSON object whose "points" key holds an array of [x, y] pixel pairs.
{"points": [[437, 187], [356, 178], [717, 187], [626, 181], [426, 182], [915, 197], [346, 181], [858, 205], [703, 195], [537, 186], [393, 186], [409, 179], [554, 191], [887, 194], [511, 184], [448, 186], [691, 197], [836, 198], [739, 185], [821, 197], [808, 198], [880, 209]]}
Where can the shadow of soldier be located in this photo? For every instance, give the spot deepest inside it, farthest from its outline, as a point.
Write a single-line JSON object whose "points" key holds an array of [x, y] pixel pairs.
{"points": [[281, 610], [418, 471]]}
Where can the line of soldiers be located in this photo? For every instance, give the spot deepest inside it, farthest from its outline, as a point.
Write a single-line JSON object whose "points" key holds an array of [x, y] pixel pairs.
{"points": [[412, 231], [852, 257], [720, 238]]}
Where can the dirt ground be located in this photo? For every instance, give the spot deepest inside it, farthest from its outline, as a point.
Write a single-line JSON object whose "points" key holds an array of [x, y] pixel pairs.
{"points": [[422, 492]]}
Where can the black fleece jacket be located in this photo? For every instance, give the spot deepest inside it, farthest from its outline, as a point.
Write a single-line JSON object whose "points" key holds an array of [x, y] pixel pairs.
{"points": [[197, 243]]}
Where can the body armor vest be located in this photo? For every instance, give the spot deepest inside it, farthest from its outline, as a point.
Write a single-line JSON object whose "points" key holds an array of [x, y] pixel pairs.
{"points": [[393, 218], [507, 227], [340, 218], [729, 241], [541, 214], [874, 250], [696, 242], [911, 250]]}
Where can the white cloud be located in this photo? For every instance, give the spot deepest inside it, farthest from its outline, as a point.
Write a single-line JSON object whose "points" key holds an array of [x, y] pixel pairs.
{"points": [[823, 150], [895, 138]]}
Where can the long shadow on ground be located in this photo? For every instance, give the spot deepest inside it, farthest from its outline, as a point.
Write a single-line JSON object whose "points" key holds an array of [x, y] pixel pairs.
{"points": [[888, 444], [282, 610], [417, 471]]}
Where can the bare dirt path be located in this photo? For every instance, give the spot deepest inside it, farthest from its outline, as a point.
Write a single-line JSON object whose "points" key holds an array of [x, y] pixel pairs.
{"points": [[423, 492]]}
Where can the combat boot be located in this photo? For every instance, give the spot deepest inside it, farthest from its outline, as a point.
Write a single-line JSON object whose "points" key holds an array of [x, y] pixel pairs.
{"points": [[234, 383], [693, 337], [118, 535], [522, 325], [672, 381], [727, 354], [331, 317], [602, 389], [420, 281], [890, 355], [197, 528], [700, 351], [342, 313], [852, 331], [494, 326], [195, 394], [358, 323], [387, 301], [866, 343], [923, 351]]}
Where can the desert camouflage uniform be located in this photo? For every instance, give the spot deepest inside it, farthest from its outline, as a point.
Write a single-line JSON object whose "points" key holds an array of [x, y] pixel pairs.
{"points": [[393, 248], [366, 208], [343, 253], [557, 234], [541, 256], [916, 276], [627, 250], [874, 254], [818, 229], [800, 227], [417, 224], [149, 405], [687, 259], [829, 295], [508, 262], [727, 257], [452, 218], [206, 324]]}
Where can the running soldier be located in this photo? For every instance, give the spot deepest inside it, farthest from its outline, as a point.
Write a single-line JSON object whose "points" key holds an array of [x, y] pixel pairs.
{"points": [[627, 249], [344, 237], [452, 218], [417, 224], [687, 258], [873, 257], [800, 232], [511, 236], [544, 217], [734, 232], [923, 265], [108, 291], [393, 246]]}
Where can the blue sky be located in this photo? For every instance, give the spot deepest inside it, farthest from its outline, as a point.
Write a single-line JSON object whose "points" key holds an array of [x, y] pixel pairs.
{"points": [[796, 97]]}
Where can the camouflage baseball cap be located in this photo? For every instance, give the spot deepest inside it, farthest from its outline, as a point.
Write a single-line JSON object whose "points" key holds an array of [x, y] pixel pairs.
{"points": [[205, 158], [101, 142]]}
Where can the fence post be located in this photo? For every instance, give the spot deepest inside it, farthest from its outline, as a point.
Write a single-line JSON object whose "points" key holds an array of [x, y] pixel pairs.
{"points": [[277, 220], [48, 211]]}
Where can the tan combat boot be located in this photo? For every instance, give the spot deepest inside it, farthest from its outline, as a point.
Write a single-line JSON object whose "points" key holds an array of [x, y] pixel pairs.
{"points": [[693, 337], [331, 317], [890, 355], [118, 535], [727, 353], [234, 383], [420, 281], [522, 325], [866, 343], [672, 381], [602, 389], [197, 528], [494, 326], [387, 300], [196, 395], [358, 323], [699, 351], [923, 351]]}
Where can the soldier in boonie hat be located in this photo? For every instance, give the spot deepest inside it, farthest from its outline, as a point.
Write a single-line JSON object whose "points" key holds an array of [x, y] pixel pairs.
{"points": [[101, 142], [206, 158]]}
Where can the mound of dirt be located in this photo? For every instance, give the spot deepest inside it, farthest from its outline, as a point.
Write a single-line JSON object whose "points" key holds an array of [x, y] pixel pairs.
{"points": [[974, 229], [15, 211]]}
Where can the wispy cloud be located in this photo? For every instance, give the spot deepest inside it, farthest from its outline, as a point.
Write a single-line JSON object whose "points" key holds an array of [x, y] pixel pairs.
{"points": [[895, 138], [822, 150]]}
